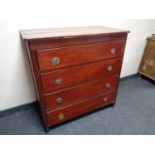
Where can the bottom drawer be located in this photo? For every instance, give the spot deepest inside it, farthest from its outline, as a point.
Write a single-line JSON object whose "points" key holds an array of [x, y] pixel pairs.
{"points": [[63, 114]]}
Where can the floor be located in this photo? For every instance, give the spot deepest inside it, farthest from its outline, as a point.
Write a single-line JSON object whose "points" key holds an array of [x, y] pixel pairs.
{"points": [[134, 113]]}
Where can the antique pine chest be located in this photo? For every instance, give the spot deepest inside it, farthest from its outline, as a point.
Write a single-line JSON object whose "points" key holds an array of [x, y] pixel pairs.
{"points": [[147, 65], [75, 70]]}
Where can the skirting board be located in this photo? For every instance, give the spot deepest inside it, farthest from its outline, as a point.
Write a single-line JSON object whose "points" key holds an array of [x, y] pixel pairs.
{"points": [[18, 108], [128, 77], [34, 104]]}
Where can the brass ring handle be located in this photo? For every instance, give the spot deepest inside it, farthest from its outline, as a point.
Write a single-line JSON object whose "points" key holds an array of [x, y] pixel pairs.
{"points": [[55, 61], [59, 100], [108, 85], [61, 117], [109, 68], [58, 81], [113, 50], [105, 99]]}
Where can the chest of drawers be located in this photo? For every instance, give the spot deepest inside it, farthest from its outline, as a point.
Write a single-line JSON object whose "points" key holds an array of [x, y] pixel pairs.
{"points": [[75, 70]]}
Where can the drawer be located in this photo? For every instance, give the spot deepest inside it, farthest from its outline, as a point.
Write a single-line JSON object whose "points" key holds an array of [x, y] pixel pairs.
{"points": [[71, 76], [63, 114], [67, 56], [80, 92]]}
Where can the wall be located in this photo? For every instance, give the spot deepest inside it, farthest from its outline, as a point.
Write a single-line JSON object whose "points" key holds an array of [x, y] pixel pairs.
{"points": [[16, 85], [152, 27]]}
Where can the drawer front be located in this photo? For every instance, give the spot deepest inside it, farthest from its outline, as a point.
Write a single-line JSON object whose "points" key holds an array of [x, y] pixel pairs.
{"points": [[79, 74], [68, 56], [63, 114], [80, 92]]}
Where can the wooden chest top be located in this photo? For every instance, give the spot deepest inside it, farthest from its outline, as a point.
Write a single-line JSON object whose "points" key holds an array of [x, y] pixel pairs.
{"points": [[72, 32]]}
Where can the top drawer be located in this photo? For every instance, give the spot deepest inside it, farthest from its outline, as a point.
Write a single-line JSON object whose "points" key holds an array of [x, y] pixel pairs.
{"points": [[67, 56]]}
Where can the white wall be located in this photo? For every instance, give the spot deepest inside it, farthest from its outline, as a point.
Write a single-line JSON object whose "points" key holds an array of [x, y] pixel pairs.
{"points": [[152, 27], [16, 85]]}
